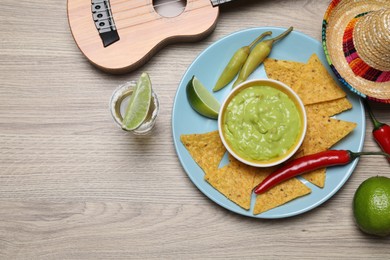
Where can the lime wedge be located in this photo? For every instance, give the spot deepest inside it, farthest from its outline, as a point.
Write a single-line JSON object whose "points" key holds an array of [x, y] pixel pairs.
{"points": [[139, 103], [201, 99]]}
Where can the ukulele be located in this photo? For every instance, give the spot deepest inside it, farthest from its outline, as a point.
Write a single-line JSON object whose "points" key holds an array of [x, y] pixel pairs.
{"points": [[118, 36]]}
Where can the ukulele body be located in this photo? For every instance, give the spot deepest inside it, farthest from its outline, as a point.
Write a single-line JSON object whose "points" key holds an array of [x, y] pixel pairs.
{"points": [[141, 30]]}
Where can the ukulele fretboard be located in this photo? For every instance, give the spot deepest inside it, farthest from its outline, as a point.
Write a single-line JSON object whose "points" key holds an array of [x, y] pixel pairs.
{"points": [[218, 2], [104, 21]]}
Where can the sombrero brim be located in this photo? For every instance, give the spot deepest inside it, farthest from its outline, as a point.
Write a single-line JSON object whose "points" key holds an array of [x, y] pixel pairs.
{"points": [[336, 19]]}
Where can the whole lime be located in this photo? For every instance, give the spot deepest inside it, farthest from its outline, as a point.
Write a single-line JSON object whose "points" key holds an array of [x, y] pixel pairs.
{"points": [[371, 206]]}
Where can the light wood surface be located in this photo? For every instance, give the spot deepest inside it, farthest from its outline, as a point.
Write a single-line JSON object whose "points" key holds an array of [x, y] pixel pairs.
{"points": [[75, 186]]}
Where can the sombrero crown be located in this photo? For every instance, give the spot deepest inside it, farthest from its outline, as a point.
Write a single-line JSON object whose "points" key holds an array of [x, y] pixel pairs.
{"points": [[370, 46], [372, 39]]}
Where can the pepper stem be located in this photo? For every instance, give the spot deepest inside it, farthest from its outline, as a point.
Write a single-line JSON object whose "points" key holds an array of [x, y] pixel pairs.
{"points": [[376, 123], [358, 154], [281, 36], [267, 33]]}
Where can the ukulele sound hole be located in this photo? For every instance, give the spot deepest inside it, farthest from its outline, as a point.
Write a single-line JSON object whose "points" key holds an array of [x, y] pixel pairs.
{"points": [[169, 8]]}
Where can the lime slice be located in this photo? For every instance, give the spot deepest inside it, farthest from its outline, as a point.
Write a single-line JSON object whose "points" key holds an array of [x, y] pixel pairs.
{"points": [[201, 99], [139, 103]]}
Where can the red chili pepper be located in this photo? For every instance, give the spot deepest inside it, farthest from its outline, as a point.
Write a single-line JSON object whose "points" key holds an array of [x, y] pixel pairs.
{"points": [[310, 163], [381, 132]]}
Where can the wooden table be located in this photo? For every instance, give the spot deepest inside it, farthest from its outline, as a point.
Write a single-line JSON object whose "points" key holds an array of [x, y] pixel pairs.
{"points": [[74, 186]]}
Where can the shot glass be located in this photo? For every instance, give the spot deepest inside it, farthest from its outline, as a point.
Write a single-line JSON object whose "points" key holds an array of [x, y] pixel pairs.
{"points": [[118, 104]]}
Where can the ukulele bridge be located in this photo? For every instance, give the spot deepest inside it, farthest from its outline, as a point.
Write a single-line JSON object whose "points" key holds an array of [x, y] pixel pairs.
{"points": [[104, 21]]}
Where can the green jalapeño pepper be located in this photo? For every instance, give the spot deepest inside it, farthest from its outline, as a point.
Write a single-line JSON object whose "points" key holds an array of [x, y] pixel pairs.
{"points": [[257, 56], [235, 63]]}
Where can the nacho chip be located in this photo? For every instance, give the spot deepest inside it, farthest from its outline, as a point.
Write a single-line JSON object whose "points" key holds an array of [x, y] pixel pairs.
{"points": [[329, 108], [316, 84], [340, 130], [206, 149], [279, 195], [322, 133], [235, 181], [312, 143], [234, 163], [285, 71], [261, 174], [316, 177], [334, 130]]}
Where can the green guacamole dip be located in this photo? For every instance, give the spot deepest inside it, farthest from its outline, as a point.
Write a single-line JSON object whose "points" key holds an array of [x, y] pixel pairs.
{"points": [[261, 123]]}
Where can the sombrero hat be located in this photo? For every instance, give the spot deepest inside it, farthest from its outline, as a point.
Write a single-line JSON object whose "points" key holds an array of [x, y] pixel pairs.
{"points": [[356, 40]]}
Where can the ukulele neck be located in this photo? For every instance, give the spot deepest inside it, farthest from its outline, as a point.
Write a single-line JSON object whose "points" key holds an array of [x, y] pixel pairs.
{"points": [[218, 2]]}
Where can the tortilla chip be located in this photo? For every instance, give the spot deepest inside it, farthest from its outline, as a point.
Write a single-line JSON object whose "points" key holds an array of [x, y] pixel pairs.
{"points": [[206, 149], [329, 108], [279, 195], [316, 177], [285, 71], [334, 130], [234, 181], [236, 163], [316, 84], [261, 174], [312, 143], [322, 133]]}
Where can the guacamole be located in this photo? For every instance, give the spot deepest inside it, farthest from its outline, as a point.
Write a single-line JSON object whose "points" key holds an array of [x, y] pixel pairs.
{"points": [[261, 123]]}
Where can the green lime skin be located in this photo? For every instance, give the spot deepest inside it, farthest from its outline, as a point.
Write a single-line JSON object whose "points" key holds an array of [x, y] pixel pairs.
{"points": [[139, 103], [371, 206], [201, 100]]}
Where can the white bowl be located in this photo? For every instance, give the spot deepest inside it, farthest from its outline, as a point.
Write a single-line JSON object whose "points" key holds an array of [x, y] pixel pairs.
{"points": [[291, 150]]}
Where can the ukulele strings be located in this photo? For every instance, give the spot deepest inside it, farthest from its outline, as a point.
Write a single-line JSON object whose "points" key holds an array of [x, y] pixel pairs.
{"points": [[144, 5], [118, 3]]}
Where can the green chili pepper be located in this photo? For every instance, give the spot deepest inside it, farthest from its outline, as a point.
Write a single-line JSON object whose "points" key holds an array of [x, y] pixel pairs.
{"points": [[235, 63], [257, 56]]}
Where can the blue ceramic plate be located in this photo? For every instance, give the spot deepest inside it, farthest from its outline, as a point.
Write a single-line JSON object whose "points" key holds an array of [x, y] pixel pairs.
{"points": [[207, 67]]}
